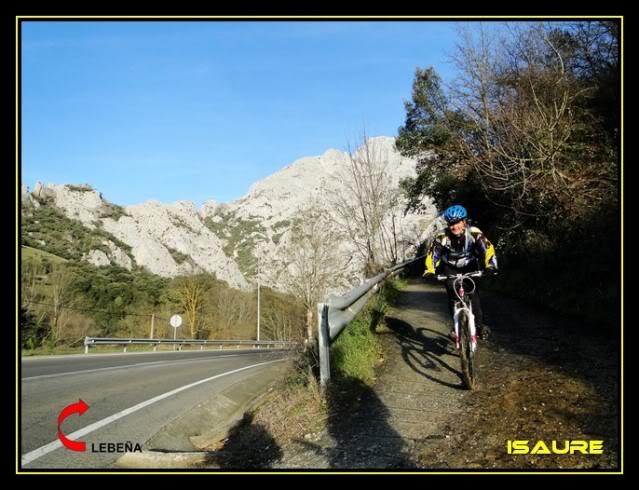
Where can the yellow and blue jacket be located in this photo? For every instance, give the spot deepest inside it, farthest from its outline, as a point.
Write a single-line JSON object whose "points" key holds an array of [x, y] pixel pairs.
{"points": [[461, 251]]}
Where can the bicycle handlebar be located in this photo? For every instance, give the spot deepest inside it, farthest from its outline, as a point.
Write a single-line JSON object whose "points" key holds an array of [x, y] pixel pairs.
{"points": [[443, 277]]}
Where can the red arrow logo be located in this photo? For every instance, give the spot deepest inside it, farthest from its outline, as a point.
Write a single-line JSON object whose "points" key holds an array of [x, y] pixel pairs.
{"points": [[80, 408]]}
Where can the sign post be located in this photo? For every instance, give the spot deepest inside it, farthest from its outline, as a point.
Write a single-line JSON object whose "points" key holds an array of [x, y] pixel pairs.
{"points": [[175, 321]]}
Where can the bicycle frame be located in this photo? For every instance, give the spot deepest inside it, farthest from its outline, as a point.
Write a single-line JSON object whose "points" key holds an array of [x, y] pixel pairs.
{"points": [[461, 305], [466, 343], [458, 308]]}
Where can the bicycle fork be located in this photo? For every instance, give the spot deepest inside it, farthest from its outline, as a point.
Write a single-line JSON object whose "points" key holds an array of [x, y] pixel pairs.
{"points": [[471, 327]]}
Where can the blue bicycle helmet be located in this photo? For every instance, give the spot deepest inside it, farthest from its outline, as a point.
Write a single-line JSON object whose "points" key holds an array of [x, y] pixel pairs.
{"points": [[455, 213]]}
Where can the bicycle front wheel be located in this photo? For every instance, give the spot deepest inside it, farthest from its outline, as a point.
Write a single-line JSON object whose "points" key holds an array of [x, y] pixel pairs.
{"points": [[466, 354]]}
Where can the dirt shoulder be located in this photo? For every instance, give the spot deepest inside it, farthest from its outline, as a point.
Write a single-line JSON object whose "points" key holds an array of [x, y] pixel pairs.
{"points": [[542, 378]]}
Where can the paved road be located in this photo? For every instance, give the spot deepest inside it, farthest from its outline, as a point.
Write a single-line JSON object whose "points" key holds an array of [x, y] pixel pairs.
{"points": [[115, 383]]}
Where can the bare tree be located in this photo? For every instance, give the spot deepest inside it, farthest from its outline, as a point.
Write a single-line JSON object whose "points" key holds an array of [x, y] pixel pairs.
{"points": [[232, 312], [32, 274], [188, 292], [310, 262], [281, 322], [517, 99], [74, 327], [224, 313], [62, 282], [368, 206]]}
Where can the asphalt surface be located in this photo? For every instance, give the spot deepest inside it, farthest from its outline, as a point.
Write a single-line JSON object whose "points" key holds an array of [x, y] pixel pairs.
{"points": [[111, 384]]}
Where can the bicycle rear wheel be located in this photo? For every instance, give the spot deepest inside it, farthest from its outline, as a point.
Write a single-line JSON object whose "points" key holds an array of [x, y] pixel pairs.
{"points": [[466, 354]]}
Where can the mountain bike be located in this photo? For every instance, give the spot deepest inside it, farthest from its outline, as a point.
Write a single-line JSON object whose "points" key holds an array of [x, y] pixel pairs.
{"points": [[465, 337]]}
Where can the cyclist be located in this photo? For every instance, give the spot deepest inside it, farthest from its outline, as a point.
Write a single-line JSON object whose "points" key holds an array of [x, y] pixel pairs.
{"points": [[459, 249]]}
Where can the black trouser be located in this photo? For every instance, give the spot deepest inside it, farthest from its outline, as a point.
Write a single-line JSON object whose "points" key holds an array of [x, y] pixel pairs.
{"points": [[452, 296]]}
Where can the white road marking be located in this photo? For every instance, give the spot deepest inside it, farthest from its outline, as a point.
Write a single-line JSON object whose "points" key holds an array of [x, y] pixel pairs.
{"points": [[139, 364], [38, 453]]}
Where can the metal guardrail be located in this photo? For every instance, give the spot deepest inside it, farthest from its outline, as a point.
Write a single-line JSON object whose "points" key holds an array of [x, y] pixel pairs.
{"points": [[333, 316], [89, 341]]}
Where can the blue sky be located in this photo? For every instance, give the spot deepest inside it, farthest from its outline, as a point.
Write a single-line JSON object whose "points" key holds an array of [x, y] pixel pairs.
{"points": [[198, 110]]}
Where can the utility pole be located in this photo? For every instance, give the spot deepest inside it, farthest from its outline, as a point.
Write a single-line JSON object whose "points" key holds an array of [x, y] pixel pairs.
{"points": [[258, 298]]}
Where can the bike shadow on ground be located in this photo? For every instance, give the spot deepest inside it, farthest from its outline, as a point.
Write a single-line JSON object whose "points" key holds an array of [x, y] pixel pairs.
{"points": [[424, 349]]}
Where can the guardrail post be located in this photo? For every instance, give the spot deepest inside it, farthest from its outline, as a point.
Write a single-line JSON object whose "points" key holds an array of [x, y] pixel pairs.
{"points": [[86, 348], [324, 340]]}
